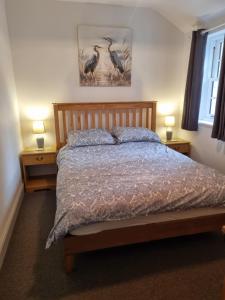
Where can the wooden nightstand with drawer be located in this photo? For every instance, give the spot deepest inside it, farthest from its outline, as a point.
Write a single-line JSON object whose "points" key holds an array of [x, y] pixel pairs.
{"points": [[179, 145], [34, 165]]}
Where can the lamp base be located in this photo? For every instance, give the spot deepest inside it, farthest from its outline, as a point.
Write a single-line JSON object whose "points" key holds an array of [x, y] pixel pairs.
{"points": [[169, 135], [40, 143]]}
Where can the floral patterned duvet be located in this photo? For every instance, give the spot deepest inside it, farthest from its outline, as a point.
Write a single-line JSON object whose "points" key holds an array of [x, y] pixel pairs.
{"points": [[117, 182]]}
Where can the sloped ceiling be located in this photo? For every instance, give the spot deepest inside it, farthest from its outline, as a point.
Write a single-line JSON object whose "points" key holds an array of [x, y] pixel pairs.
{"points": [[184, 14]]}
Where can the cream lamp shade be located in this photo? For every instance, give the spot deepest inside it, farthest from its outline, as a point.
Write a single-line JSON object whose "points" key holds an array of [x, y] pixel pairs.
{"points": [[169, 121], [38, 127]]}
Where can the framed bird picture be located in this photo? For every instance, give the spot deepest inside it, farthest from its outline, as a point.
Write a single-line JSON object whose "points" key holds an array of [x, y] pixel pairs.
{"points": [[105, 56]]}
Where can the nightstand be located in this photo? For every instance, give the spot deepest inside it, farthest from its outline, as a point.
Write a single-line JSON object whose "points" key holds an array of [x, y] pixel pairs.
{"points": [[34, 165], [179, 145]]}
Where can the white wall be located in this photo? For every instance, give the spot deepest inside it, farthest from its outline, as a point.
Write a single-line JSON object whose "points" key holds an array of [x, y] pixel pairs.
{"points": [[10, 179], [205, 149], [44, 46]]}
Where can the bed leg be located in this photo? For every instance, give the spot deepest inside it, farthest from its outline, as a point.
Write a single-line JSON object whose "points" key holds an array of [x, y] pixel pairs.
{"points": [[69, 263], [223, 232]]}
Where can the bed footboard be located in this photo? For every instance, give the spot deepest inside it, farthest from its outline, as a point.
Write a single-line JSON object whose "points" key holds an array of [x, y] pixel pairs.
{"points": [[138, 234]]}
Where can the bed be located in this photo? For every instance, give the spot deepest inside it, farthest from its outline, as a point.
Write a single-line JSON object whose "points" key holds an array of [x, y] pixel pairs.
{"points": [[114, 195]]}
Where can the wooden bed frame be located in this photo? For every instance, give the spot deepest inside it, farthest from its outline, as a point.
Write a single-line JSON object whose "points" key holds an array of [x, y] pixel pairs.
{"points": [[106, 115]]}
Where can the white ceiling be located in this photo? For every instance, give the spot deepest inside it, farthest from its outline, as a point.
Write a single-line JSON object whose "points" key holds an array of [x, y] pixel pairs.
{"points": [[182, 13]]}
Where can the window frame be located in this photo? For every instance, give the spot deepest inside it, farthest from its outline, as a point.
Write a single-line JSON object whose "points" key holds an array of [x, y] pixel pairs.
{"points": [[212, 66]]}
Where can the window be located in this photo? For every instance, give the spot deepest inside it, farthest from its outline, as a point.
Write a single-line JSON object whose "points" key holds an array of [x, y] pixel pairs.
{"points": [[212, 65]]}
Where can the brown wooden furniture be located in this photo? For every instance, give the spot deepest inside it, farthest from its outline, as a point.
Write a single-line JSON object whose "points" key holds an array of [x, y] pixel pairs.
{"points": [[179, 145], [101, 115], [34, 158], [105, 115]]}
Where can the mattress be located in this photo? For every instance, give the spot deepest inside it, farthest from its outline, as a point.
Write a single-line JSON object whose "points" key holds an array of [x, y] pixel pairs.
{"points": [[106, 184], [168, 216]]}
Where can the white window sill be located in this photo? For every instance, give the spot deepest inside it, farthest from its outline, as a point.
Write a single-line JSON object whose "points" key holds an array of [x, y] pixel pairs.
{"points": [[205, 123]]}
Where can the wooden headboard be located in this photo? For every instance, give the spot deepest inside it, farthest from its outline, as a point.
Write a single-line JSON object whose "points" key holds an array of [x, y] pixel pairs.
{"points": [[78, 116]]}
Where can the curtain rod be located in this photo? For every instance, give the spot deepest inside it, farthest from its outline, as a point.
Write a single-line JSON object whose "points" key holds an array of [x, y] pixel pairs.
{"points": [[213, 28]]}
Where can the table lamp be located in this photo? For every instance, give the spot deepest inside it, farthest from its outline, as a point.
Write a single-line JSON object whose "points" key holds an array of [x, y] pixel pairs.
{"points": [[39, 129], [169, 123]]}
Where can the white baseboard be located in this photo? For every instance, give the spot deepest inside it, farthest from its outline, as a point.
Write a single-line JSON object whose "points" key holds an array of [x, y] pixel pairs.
{"points": [[10, 222]]}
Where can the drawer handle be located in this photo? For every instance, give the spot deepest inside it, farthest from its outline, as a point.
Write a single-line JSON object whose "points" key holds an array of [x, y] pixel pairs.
{"points": [[40, 158]]}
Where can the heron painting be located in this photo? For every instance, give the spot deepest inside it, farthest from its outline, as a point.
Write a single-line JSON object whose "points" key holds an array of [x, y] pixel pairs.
{"points": [[105, 55]]}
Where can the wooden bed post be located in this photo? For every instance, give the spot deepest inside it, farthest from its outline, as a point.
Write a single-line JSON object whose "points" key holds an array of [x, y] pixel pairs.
{"points": [[153, 116], [69, 262], [223, 233], [57, 133]]}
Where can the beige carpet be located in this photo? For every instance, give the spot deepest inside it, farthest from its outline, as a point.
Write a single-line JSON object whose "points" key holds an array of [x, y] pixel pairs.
{"points": [[187, 268]]}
